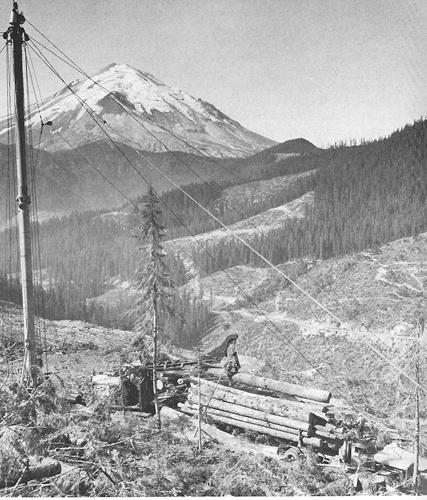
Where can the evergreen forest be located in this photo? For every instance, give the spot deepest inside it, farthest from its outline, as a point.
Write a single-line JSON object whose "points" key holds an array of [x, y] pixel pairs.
{"points": [[364, 195]]}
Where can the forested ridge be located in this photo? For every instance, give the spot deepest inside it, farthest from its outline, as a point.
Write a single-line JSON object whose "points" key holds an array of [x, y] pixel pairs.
{"points": [[365, 195]]}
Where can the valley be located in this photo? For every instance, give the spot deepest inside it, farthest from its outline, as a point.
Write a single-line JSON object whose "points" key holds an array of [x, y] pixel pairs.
{"points": [[377, 292], [334, 303]]}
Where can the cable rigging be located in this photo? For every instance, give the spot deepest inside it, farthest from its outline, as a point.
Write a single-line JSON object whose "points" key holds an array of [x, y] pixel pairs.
{"points": [[74, 65], [92, 113], [39, 290], [250, 247], [208, 212], [276, 329], [263, 313]]}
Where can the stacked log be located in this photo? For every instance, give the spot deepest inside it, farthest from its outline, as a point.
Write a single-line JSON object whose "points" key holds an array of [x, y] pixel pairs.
{"points": [[247, 423], [300, 391], [252, 412], [290, 420], [293, 410]]}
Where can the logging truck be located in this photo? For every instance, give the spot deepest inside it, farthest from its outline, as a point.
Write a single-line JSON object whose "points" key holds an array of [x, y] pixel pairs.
{"points": [[295, 418]]}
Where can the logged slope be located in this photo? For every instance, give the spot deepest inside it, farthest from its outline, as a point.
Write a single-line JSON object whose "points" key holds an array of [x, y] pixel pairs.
{"points": [[380, 288], [75, 348], [153, 103], [377, 293], [258, 194], [364, 196], [264, 223]]}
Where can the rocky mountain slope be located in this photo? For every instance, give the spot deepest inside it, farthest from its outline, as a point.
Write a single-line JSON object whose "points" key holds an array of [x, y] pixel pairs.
{"points": [[123, 91]]}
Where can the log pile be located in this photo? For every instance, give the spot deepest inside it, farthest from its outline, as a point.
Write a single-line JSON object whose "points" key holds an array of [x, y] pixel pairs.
{"points": [[295, 421], [308, 394]]}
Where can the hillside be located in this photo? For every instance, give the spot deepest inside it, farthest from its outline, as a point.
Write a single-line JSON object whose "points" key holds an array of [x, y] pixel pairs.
{"points": [[249, 229], [258, 194], [378, 294], [76, 180], [74, 349], [282, 151], [364, 196], [358, 288], [104, 452]]}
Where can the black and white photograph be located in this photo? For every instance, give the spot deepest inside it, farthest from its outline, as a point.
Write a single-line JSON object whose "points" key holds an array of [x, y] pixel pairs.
{"points": [[213, 248]]}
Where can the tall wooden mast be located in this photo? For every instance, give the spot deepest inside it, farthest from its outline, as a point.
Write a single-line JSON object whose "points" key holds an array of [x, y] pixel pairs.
{"points": [[16, 36], [420, 332]]}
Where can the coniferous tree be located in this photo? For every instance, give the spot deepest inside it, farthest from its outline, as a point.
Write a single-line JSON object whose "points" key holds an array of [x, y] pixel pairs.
{"points": [[152, 279]]}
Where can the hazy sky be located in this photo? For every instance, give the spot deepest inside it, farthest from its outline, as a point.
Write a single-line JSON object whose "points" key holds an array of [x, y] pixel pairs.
{"points": [[321, 69]]}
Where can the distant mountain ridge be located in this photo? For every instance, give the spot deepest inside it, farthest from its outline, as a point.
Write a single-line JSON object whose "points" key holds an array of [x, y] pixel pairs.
{"points": [[123, 89], [293, 146], [281, 151]]}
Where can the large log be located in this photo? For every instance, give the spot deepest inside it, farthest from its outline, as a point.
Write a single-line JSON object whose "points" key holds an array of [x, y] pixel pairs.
{"points": [[277, 386], [211, 412], [264, 403], [275, 407], [315, 442], [37, 472], [251, 412], [313, 406]]}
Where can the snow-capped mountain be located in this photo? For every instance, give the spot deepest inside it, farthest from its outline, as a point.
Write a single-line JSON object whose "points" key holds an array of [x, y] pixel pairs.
{"points": [[153, 104]]}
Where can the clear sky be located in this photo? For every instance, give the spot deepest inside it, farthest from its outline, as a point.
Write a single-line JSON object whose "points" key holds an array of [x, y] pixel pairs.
{"points": [[325, 70]]}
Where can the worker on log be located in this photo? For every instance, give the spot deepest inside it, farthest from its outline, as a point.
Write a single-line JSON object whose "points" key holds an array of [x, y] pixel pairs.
{"points": [[360, 426], [232, 364], [300, 439]]}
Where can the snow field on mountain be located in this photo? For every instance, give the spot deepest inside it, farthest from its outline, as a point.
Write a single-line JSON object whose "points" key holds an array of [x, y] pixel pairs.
{"points": [[158, 107]]}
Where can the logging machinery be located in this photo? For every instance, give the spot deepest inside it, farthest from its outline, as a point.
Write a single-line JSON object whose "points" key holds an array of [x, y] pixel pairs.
{"points": [[293, 417]]}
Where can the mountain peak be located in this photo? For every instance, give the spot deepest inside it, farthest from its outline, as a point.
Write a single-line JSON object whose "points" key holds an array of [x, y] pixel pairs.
{"points": [[299, 145], [160, 115], [108, 67], [122, 70]]}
